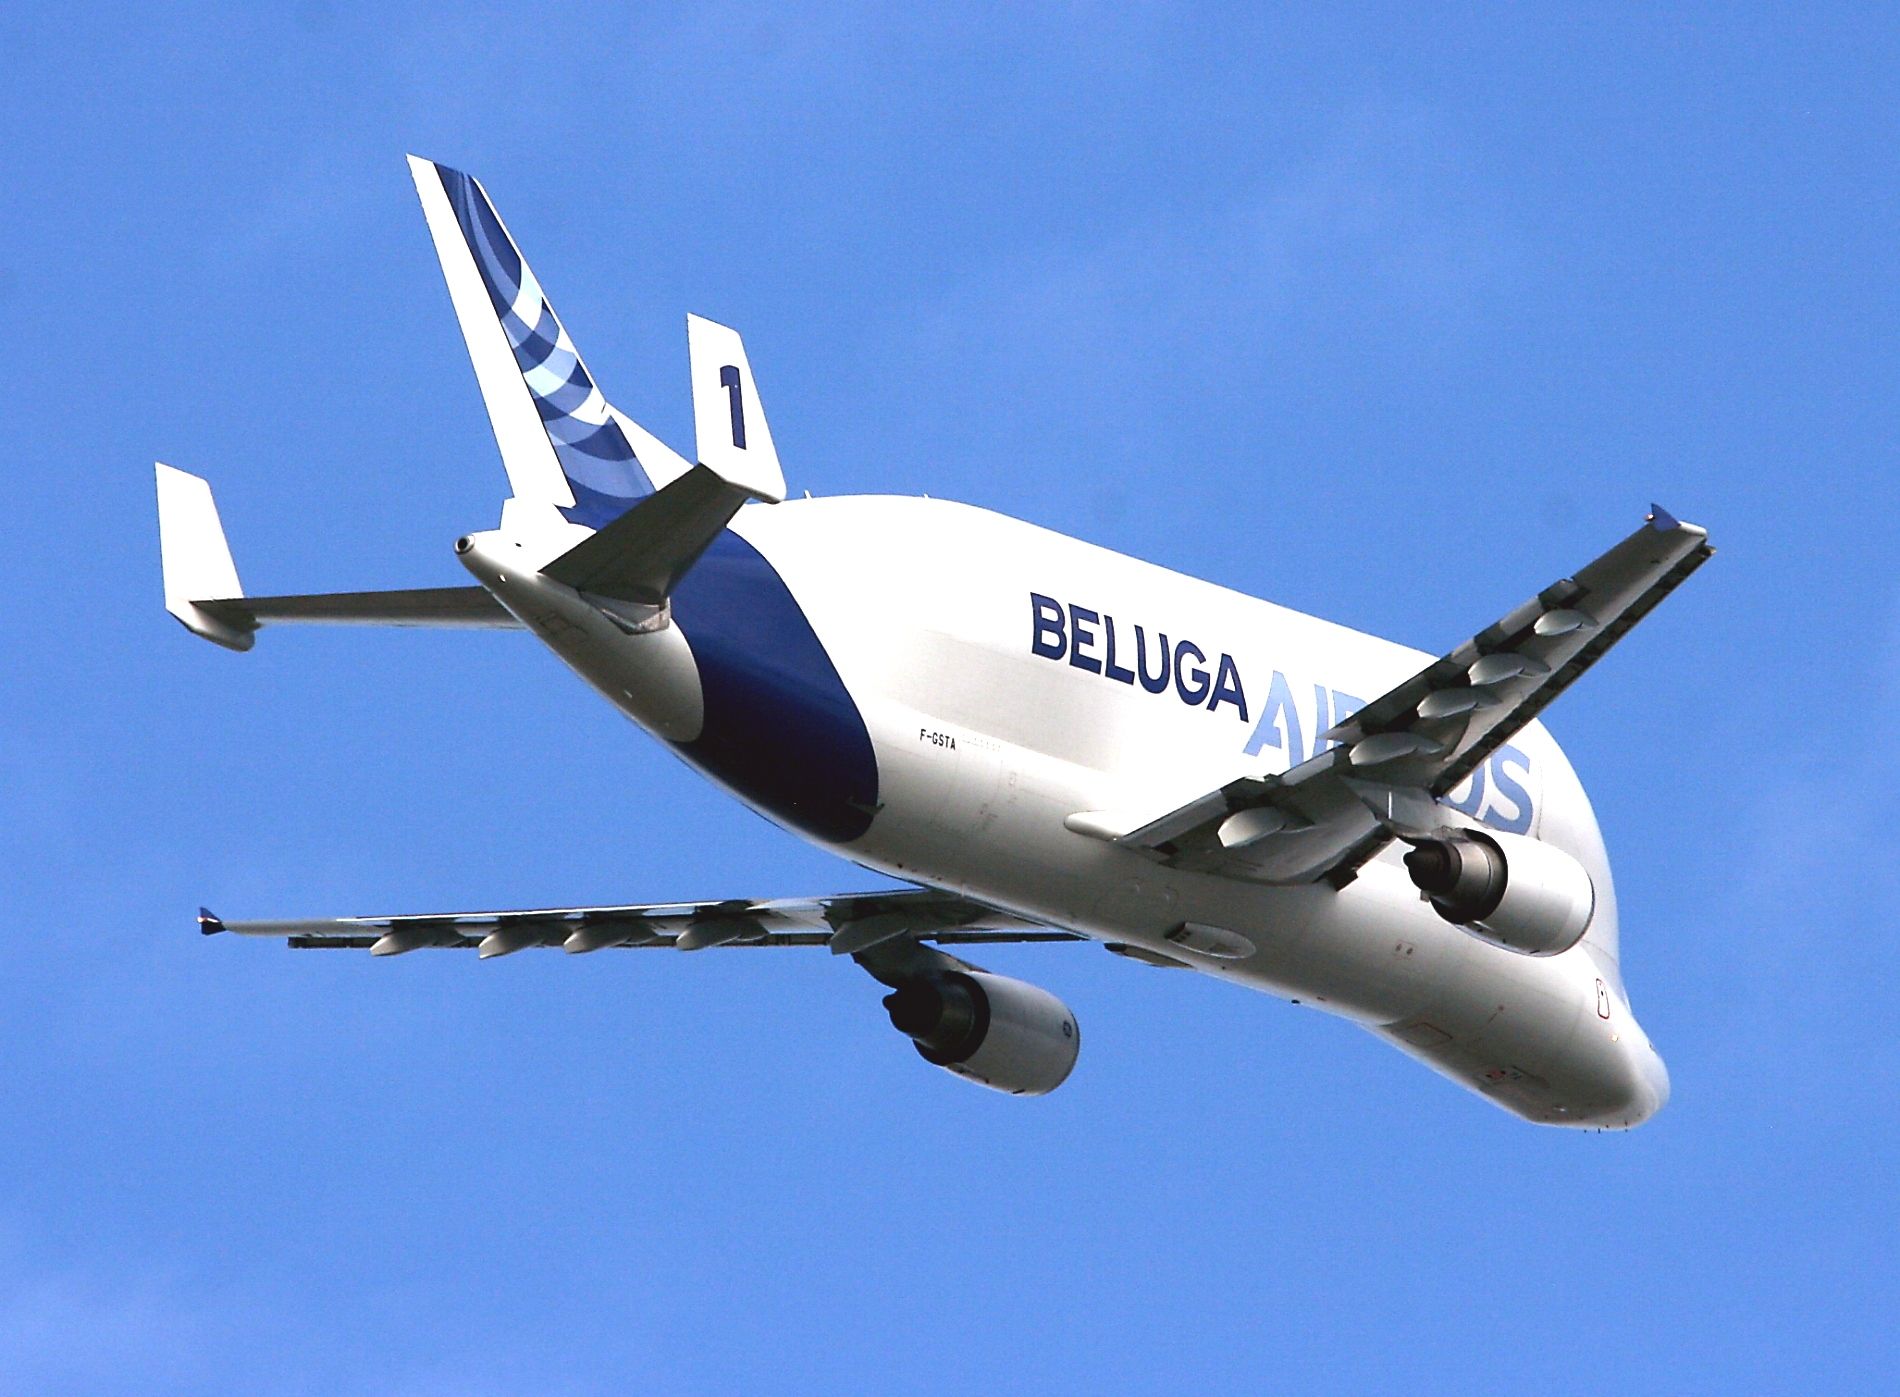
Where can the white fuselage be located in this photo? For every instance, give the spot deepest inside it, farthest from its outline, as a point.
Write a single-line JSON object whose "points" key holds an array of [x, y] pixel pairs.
{"points": [[998, 679]]}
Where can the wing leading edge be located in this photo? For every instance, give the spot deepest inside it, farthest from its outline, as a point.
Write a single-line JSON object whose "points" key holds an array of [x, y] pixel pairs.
{"points": [[1396, 757]]}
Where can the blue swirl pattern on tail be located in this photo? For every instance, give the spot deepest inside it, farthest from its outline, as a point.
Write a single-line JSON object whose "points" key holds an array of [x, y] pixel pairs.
{"points": [[606, 477]]}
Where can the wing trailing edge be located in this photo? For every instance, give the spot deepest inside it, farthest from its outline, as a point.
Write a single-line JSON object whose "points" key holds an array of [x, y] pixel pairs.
{"points": [[855, 924]]}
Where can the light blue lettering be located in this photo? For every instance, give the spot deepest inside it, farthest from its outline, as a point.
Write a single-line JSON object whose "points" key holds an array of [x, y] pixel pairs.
{"points": [[1279, 725], [1505, 785], [1473, 787]]}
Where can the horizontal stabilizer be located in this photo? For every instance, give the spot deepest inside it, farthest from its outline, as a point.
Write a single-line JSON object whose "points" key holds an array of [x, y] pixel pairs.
{"points": [[202, 591], [462, 608], [642, 555]]}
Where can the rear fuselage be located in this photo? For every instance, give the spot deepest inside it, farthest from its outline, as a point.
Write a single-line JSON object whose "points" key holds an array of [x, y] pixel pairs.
{"points": [[934, 690]]}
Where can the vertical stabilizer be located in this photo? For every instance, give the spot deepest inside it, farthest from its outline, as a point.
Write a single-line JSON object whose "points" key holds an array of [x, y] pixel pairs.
{"points": [[195, 557], [562, 443], [733, 438]]}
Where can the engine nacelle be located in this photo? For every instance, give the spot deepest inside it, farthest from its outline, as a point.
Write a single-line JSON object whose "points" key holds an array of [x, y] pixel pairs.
{"points": [[1519, 893], [1000, 1032]]}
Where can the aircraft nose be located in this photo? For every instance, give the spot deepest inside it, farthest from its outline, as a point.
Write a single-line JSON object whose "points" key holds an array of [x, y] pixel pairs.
{"points": [[1655, 1078], [1643, 1084], [1624, 1084]]}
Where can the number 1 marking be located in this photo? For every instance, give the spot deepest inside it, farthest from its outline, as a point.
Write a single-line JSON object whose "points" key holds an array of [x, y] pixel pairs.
{"points": [[729, 380]]}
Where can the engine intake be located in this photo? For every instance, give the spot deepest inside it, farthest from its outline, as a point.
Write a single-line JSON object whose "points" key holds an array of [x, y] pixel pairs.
{"points": [[1000, 1032], [1519, 893]]}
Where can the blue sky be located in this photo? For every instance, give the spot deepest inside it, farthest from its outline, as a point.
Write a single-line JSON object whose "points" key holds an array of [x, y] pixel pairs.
{"points": [[1387, 317]]}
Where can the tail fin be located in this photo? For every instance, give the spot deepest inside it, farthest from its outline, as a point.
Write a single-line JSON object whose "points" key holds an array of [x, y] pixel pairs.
{"points": [[641, 556], [733, 439], [563, 445], [195, 557]]}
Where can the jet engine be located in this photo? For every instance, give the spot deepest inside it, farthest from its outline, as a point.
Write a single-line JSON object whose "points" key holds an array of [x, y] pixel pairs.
{"points": [[1519, 893], [1000, 1032]]}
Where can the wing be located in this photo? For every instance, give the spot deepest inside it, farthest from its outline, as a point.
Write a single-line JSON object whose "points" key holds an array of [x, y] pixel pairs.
{"points": [[1396, 756], [849, 924]]}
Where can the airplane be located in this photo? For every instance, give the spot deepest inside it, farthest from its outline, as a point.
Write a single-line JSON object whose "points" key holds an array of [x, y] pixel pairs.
{"points": [[1041, 739]]}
